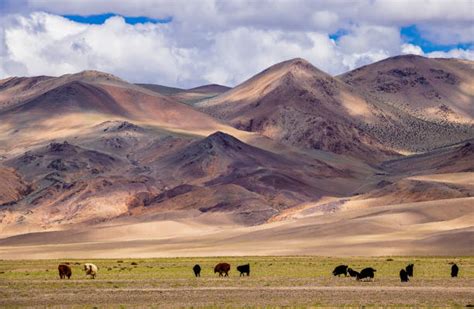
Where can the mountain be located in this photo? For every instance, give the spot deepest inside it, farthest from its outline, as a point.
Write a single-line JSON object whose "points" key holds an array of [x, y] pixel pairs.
{"points": [[295, 103], [164, 90], [13, 188], [222, 162], [457, 158], [292, 161], [133, 172], [197, 94], [16, 90], [437, 90], [211, 88], [32, 99], [188, 96]]}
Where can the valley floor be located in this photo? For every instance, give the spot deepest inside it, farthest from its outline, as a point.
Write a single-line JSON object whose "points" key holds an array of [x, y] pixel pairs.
{"points": [[274, 281], [433, 228]]}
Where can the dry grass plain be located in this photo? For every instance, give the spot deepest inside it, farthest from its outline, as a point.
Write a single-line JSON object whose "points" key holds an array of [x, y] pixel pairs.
{"points": [[275, 281]]}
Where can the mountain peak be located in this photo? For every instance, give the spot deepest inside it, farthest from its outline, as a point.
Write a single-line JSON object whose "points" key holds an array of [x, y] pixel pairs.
{"points": [[209, 88], [300, 67], [299, 62], [93, 75], [407, 56], [118, 126], [222, 139]]}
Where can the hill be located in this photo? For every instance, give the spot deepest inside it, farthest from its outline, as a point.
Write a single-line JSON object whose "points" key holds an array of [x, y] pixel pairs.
{"points": [[295, 103], [437, 90]]}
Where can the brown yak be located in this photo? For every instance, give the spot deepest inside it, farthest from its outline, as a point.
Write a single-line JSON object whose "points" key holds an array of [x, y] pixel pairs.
{"points": [[64, 271], [222, 268]]}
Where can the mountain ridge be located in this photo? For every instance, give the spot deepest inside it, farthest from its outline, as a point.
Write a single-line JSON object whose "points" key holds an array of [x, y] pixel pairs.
{"points": [[291, 150]]}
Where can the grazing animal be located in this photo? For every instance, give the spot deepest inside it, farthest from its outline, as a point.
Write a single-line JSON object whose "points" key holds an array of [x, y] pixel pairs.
{"points": [[91, 270], [366, 273], [64, 271], [404, 275], [222, 268], [340, 270], [352, 273], [197, 270], [409, 270], [244, 269], [454, 270]]}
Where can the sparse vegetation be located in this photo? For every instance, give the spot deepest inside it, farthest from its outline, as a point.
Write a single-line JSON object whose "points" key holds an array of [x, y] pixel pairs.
{"points": [[291, 281]]}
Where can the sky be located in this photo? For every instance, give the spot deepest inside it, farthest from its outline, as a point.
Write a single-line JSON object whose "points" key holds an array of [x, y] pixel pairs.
{"points": [[186, 43]]}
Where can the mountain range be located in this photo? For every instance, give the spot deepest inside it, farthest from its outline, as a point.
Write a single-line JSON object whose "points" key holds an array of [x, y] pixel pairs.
{"points": [[379, 160]]}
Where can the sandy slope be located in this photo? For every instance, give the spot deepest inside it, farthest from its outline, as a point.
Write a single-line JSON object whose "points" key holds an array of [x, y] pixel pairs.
{"points": [[363, 225], [427, 228]]}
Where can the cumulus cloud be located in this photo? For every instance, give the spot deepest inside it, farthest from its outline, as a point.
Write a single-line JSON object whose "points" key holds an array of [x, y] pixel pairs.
{"points": [[44, 43], [453, 53], [52, 45], [215, 41], [449, 33], [412, 49]]}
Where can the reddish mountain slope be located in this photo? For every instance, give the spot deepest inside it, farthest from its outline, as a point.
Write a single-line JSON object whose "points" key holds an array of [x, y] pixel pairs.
{"points": [[33, 99]]}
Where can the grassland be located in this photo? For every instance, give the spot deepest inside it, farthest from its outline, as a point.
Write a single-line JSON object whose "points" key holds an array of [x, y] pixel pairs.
{"points": [[274, 281]]}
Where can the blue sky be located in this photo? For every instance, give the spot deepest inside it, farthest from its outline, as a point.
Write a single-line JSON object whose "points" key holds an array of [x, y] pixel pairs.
{"points": [[101, 18], [411, 34]]}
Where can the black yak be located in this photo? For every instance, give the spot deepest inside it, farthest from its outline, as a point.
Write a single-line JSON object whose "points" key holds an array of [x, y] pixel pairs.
{"points": [[409, 270], [197, 270], [352, 273], [244, 269], [222, 268], [340, 270], [403, 275], [454, 270], [64, 271], [366, 273]]}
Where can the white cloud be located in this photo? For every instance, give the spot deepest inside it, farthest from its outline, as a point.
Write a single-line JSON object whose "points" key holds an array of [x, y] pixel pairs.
{"points": [[216, 41], [371, 38], [48, 44], [412, 49], [241, 53], [449, 33], [325, 20], [454, 53], [307, 15], [52, 45]]}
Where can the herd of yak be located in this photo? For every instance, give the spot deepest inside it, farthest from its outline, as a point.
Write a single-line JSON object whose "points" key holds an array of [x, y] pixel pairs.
{"points": [[90, 269], [369, 273], [223, 269]]}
